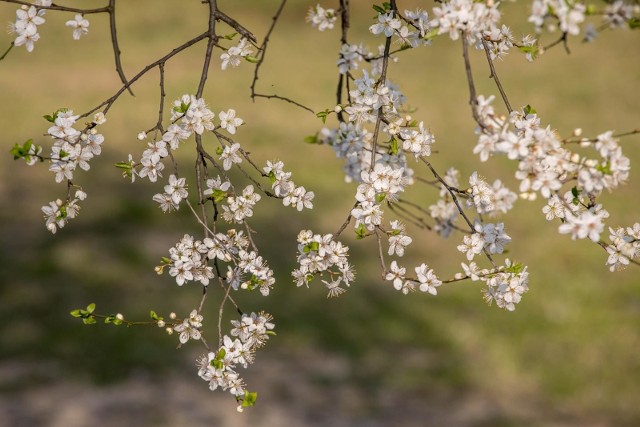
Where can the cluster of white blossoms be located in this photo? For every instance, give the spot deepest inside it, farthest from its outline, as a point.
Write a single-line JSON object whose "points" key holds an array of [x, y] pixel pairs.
{"points": [[189, 329], [234, 55], [189, 261], [545, 165], [321, 18], [490, 199], [292, 195], [425, 279], [26, 25], [28, 17], [71, 149], [490, 237], [568, 16], [320, 254], [383, 183], [189, 116], [174, 193], [219, 368], [625, 246]]}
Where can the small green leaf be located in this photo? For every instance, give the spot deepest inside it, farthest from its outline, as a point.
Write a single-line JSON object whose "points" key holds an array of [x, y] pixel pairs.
{"points": [[249, 399], [529, 110], [76, 313], [380, 197], [270, 333], [49, 118], [153, 315], [591, 9], [91, 307], [393, 146], [251, 59], [219, 151], [605, 169], [361, 231], [311, 139], [230, 36], [634, 23], [89, 320], [323, 115], [379, 9]]}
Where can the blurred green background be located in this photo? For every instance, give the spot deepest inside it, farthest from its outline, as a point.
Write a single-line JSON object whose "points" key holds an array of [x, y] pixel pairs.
{"points": [[569, 354]]}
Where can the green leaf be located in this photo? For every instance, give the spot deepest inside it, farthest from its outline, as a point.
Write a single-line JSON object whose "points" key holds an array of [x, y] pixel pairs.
{"points": [[380, 198], [311, 139], [89, 320], [219, 151], [323, 115], [529, 110], [76, 313], [591, 9], [393, 146], [49, 118], [634, 23], [251, 59], [605, 169], [91, 307], [533, 50], [17, 152], [110, 319], [379, 9], [230, 36], [153, 315], [361, 232], [249, 399]]}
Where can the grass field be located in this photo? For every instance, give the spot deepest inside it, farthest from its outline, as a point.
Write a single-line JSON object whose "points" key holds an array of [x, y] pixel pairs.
{"points": [[567, 356]]}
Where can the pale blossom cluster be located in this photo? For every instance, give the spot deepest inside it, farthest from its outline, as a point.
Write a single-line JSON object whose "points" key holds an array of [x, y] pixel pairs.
{"points": [[505, 285], [250, 264], [58, 212], [490, 237], [283, 187], [410, 30], [174, 192], [240, 206], [71, 149], [490, 199], [624, 246], [321, 18], [545, 164], [189, 329], [234, 55], [26, 25], [425, 279], [189, 116], [466, 17], [219, 368], [568, 14], [398, 238], [188, 261], [320, 255], [80, 26], [383, 183]]}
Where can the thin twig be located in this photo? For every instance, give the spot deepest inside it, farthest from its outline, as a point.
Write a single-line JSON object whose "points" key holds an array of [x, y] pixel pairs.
{"points": [[61, 8], [263, 48], [7, 51], [114, 43], [494, 76]]}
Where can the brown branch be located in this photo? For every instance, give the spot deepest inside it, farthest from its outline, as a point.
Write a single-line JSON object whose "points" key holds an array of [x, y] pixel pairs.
{"points": [[283, 98], [213, 39], [494, 76], [7, 51], [221, 16], [263, 48], [473, 99], [109, 102], [114, 43]]}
